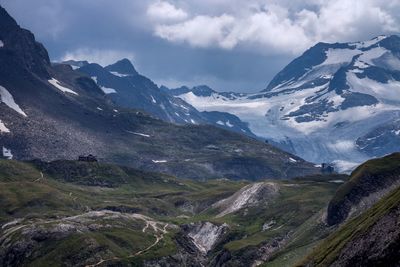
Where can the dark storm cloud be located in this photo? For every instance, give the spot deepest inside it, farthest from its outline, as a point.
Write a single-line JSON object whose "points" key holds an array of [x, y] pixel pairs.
{"points": [[227, 44]]}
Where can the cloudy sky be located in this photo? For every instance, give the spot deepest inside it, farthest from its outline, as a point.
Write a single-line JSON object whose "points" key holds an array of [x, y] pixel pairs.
{"points": [[235, 45]]}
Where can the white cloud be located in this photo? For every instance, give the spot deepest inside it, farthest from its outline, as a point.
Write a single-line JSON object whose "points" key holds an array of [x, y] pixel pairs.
{"points": [[102, 57], [162, 10], [200, 31], [281, 26]]}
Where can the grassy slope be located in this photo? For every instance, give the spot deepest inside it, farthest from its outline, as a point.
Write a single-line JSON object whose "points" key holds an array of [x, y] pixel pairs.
{"points": [[375, 167], [24, 194], [329, 249]]}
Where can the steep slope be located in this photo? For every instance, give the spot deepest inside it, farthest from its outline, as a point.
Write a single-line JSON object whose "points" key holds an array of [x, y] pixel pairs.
{"points": [[371, 239], [368, 183], [336, 102], [52, 112]]}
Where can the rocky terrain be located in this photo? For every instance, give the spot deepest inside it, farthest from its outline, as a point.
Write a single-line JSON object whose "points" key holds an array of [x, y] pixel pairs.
{"points": [[53, 112], [371, 239]]}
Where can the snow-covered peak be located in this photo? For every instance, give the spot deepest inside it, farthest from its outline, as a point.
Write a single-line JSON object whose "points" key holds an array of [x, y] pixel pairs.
{"points": [[366, 44]]}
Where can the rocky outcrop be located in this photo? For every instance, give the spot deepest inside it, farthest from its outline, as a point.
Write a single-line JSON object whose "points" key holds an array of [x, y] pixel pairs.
{"points": [[205, 235], [380, 246], [248, 196]]}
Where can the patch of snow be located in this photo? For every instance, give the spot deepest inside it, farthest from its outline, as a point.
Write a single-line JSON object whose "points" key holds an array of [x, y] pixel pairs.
{"points": [[292, 160], [337, 181], [229, 124], [94, 78], [140, 134], [99, 108], [153, 100], [159, 161], [3, 128], [220, 123], [1, 44], [115, 110], [397, 132], [119, 74], [107, 90], [339, 56], [7, 153], [57, 85], [7, 98], [193, 121], [370, 42]]}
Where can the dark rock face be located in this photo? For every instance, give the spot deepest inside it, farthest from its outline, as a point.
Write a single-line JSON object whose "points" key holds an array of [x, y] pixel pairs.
{"points": [[379, 247], [20, 45], [124, 66], [368, 179]]}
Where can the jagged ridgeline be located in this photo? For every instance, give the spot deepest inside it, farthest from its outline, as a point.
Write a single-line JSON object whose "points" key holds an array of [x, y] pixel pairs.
{"points": [[49, 111]]}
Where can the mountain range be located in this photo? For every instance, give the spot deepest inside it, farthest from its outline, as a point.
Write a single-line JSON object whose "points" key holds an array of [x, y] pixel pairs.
{"points": [[50, 111], [335, 103], [101, 167]]}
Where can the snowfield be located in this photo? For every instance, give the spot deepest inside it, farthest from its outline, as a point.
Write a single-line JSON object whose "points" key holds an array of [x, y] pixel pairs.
{"points": [[3, 128], [309, 118], [108, 90], [7, 153], [8, 99]]}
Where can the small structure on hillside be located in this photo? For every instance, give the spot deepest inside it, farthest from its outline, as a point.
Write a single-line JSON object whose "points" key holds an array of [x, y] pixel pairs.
{"points": [[327, 168], [88, 158]]}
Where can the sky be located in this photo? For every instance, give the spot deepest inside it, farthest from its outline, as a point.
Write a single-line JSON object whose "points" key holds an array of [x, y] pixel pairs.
{"points": [[230, 45]]}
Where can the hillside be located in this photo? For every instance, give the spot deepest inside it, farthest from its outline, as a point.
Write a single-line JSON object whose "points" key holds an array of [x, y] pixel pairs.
{"points": [[371, 239], [74, 213], [368, 183]]}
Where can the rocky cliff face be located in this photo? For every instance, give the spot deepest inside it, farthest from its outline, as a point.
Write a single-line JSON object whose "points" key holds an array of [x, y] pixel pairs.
{"points": [[368, 183]]}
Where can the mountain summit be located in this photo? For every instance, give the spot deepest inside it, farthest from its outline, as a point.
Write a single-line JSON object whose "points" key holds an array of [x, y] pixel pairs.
{"points": [[122, 67], [337, 102]]}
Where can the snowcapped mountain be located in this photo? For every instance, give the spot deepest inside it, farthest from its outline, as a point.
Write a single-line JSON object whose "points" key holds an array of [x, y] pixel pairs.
{"points": [[335, 103], [127, 88]]}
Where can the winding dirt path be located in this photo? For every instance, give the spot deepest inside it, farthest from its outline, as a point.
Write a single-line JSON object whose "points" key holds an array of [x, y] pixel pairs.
{"points": [[159, 235]]}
